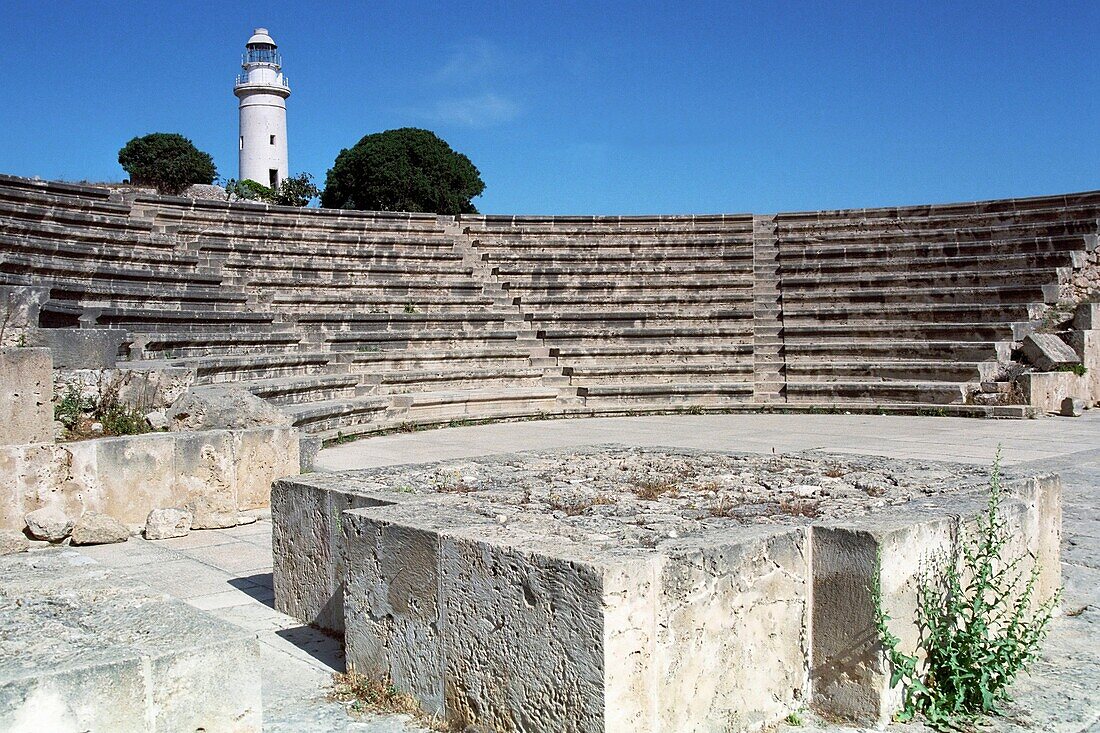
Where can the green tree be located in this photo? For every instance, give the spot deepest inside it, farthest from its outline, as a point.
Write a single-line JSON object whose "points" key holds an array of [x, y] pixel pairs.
{"points": [[167, 161], [294, 191], [403, 170]]}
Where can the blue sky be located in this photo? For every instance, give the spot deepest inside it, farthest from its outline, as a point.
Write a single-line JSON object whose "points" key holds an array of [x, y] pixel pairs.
{"points": [[590, 107]]}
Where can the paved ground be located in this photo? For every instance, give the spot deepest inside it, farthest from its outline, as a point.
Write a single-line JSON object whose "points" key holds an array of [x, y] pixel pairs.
{"points": [[940, 438], [228, 572]]}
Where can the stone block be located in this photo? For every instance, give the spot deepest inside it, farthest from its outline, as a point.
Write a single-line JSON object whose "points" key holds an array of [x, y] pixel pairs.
{"points": [[308, 448], [26, 396], [83, 649], [1087, 317], [850, 678], [20, 306], [81, 348], [307, 542], [1047, 390], [262, 455], [1047, 352], [131, 475], [572, 633]]}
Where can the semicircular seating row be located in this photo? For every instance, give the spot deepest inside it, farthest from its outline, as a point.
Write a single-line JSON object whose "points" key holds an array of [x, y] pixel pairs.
{"points": [[355, 322]]}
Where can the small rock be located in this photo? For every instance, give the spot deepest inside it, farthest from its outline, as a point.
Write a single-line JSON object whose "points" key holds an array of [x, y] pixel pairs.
{"points": [[96, 428], [157, 419], [805, 489], [12, 542], [469, 481], [213, 512], [502, 518], [49, 523], [94, 528], [246, 519], [163, 524], [1073, 407]]}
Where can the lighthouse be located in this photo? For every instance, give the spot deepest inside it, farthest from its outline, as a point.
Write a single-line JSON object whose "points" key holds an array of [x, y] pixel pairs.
{"points": [[262, 90]]}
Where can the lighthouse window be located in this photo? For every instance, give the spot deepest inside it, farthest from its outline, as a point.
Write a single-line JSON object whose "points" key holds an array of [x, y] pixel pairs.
{"points": [[273, 177], [242, 142], [272, 140]]}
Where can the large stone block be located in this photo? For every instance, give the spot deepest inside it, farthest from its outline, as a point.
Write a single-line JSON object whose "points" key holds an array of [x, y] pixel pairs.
{"points": [[573, 633], [81, 348], [1046, 390], [262, 455], [308, 548], [20, 306], [26, 396], [84, 650], [217, 473], [1046, 351], [850, 677]]}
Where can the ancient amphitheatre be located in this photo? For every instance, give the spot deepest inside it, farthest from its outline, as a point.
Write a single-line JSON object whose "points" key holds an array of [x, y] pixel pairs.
{"points": [[857, 333]]}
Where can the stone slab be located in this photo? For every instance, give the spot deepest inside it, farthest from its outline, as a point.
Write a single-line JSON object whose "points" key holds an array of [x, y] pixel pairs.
{"points": [[81, 348], [26, 396], [1046, 351], [82, 649]]}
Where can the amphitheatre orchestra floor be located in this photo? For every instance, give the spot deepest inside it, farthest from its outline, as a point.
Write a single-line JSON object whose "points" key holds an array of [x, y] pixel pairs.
{"points": [[228, 572]]}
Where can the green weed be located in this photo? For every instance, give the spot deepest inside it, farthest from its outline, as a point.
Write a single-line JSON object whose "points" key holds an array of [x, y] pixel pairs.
{"points": [[977, 629]]}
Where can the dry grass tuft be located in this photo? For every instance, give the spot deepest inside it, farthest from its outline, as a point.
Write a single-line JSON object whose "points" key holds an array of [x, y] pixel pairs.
{"points": [[367, 696]]}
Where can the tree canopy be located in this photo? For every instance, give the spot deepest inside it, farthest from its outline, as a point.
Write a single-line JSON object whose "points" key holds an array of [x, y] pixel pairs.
{"points": [[167, 161], [408, 169]]}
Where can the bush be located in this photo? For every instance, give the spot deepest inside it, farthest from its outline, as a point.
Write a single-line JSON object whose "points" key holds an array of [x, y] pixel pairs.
{"points": [[167, 161], [403, 170], [295, 191], [977, 628]]}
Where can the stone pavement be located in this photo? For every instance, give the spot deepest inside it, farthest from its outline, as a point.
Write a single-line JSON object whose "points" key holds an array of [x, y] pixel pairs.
{"points": [[228, 572], [965, 440]]}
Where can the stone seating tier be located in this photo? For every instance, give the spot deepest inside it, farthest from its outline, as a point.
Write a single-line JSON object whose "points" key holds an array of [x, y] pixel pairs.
{"points": [[357, 321]]}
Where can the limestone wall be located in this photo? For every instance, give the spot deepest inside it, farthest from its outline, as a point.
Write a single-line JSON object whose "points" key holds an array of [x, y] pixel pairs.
{"points": [[215, 472], [26, 396]]}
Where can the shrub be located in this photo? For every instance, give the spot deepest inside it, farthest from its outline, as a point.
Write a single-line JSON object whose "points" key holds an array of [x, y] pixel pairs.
{"points": [[403, 170], [977, 627], [167, 161], [294, 191]]}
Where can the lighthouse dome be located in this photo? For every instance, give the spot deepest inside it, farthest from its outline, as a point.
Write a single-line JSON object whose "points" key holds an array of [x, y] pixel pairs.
{"points": [[261, 38]]}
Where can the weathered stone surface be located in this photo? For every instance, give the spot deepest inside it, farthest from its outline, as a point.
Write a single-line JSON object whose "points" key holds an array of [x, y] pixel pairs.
{"points": [[1047, 352], [20, 306], [262, 455], [222, 408], [1073, 407], [127, 477], [49, 524], [163, 524], [1047, 390], [703, 600], [94, 528], [80, 348], [26, 396], [850, 679], [12, 542], [1087, 317], [585, 631], [308, 446], [84, 650]]}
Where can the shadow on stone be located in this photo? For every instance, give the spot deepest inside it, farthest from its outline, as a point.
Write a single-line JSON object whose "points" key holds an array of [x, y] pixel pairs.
{"points": [[257, 586], [325, 648]]}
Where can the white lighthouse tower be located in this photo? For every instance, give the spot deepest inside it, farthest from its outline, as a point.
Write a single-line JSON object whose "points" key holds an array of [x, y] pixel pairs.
{"points": [[263, 90]]}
